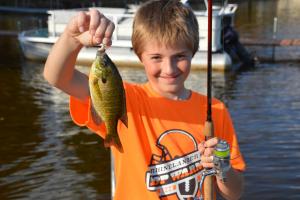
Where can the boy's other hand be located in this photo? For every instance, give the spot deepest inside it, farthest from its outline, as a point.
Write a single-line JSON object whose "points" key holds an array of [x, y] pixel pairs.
{"points": [[91, 28], [206, 149]]}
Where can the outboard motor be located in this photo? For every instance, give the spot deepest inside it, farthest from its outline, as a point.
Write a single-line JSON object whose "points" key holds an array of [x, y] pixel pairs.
{"points": [[233, 46]]}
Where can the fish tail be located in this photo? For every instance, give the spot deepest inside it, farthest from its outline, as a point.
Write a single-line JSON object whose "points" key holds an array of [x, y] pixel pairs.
{"points": [[112, 137], [113, 140]]}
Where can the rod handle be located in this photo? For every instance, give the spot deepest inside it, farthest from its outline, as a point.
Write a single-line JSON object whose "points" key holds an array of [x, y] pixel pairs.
{"points": [[209, 180]]}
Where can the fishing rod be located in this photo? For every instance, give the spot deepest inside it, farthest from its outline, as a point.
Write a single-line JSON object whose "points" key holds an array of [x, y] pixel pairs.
{"points": [[208, 127]]}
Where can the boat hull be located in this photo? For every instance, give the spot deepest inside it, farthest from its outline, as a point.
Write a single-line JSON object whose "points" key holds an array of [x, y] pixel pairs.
{"points": [[122, 56], [36, 44], [38, 48], [34, 50]]}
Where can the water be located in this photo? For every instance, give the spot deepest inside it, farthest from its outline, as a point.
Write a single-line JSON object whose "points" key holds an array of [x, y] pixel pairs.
{"points": [[43, 155]]}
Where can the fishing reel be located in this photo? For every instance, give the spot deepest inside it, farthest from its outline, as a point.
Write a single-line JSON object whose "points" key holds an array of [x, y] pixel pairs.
{"points": [[221, 160]]}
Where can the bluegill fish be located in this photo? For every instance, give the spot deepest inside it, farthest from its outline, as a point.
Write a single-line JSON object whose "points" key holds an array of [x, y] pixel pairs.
{"points": [[108, 97]]}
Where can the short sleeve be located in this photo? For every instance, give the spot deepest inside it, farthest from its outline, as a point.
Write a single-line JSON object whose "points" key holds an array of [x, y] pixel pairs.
{"points": [[81, 115]]}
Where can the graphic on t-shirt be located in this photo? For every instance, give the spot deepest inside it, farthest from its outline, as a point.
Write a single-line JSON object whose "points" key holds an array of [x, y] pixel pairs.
{"points": [[170, 174]]}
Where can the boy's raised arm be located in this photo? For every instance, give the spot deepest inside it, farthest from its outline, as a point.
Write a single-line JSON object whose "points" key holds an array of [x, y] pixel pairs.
{"points": [[85, 29]]}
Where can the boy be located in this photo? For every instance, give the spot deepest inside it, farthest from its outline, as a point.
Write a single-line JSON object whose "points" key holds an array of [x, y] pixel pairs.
{"points": [[164, 147]]}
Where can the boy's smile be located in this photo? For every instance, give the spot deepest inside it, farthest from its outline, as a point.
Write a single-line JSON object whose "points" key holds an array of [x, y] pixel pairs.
{"points": [[167, 67]]}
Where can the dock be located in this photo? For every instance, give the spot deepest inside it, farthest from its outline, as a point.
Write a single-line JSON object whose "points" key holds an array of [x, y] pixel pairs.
{"points": [[270, 42], [274, 50], [20, 10], [8, 33]]}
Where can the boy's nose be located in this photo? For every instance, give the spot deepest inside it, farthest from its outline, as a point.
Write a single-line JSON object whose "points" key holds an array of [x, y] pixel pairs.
{"points": [[169, 67]]}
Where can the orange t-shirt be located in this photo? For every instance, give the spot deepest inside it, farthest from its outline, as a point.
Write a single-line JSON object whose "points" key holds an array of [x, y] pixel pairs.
{"points": [[160, 158]]}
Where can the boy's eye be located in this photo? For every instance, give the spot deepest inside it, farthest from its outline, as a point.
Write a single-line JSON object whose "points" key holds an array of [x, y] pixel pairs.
{"points": [[155, 58], [181, 56]]}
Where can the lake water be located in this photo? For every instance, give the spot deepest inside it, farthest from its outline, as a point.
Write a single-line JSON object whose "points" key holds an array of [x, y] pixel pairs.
{"points": [[43, 155]]}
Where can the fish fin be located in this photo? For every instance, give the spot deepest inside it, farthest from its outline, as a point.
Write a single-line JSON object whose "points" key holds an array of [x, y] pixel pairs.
{"points": [[111, 140], [124, 119], [95, 117]]}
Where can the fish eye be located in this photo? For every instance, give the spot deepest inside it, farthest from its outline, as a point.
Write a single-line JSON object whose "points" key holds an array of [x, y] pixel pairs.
{"points": [[103, 80]]}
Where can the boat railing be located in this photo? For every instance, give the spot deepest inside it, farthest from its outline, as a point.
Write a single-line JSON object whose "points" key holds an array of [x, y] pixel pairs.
{"points": [[123, 26], [123, 20]]}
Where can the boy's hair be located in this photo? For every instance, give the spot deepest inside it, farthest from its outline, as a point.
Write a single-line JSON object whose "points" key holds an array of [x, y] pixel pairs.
{"points": [[166, 21]]}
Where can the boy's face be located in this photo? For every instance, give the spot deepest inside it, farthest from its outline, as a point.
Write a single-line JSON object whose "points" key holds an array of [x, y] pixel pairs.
{"points": [[167, 67]]}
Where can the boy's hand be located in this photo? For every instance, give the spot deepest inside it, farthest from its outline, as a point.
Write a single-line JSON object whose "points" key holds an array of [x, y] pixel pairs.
{"points": [[206, 150], [91, 28]]}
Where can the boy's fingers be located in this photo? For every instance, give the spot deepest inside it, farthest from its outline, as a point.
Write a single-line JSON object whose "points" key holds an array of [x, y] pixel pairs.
{"points": [[81, 21], [208, 152], [109, 30], [207, 159], [108, 34], [107, 42], [201, 147], [95, 20], [99, 34], [208, 165], [211, 142]]}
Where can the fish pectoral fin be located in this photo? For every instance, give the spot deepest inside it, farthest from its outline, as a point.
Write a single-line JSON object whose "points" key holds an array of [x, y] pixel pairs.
{"points": [[95, 117], [124, 119]]}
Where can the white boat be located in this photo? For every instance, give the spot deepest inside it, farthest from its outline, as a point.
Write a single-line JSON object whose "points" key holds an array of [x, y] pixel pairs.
{"points": [[36, 44]]}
